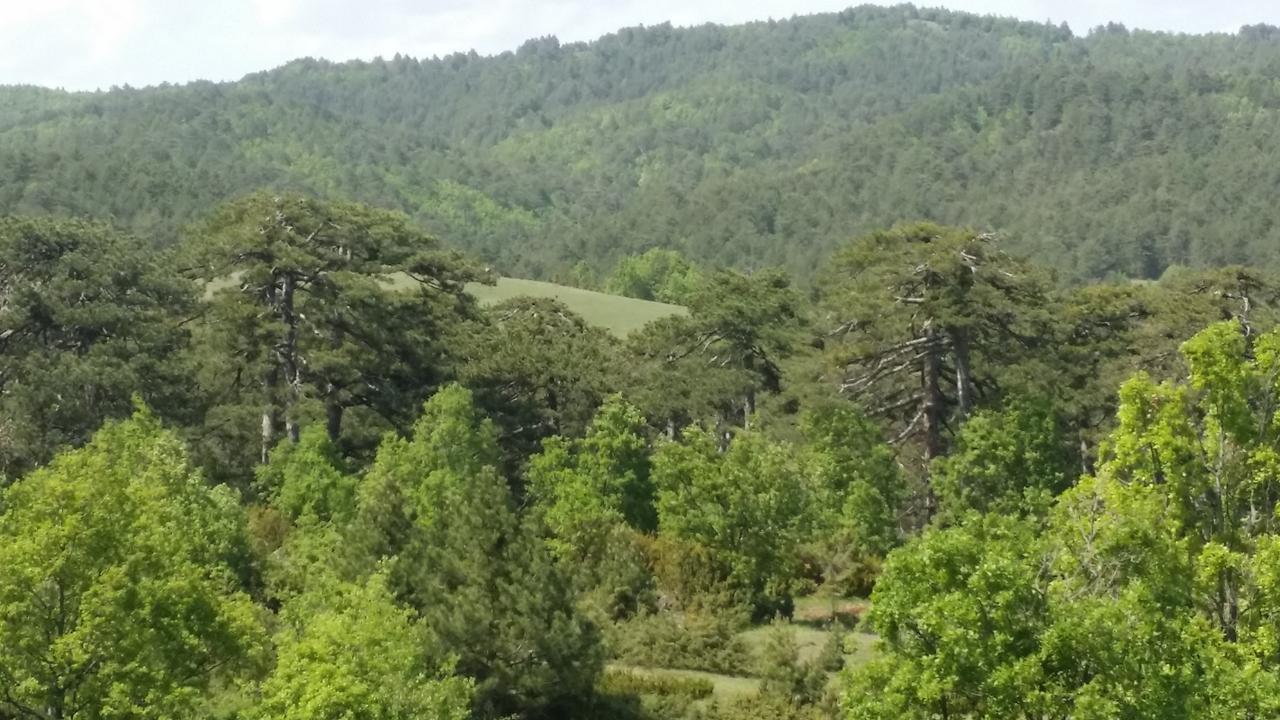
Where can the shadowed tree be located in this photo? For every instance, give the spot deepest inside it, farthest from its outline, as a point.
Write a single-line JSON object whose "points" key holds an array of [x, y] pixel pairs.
{"points": [[88, 317], [922, 318], [539, 370], [333, 303]]}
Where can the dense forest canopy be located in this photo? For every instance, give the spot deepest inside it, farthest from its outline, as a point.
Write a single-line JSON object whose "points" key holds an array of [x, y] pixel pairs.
{"points": [[964, 406], [1115, 152], [291, 469]]}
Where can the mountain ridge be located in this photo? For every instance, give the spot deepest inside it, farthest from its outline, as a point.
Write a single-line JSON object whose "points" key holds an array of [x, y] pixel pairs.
{"points": [[769, 143]]}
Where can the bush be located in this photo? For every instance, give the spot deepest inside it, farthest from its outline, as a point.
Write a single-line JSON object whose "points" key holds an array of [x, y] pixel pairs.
{"points": [[782, 674], [687, 573], [764, 707], [619, 584], [627, 682], [831, 657], [838, 566], [628, 695], [690, 641]]}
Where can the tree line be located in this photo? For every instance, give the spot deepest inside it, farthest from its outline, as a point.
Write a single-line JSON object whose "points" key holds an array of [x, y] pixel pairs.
{"points": [[291, 469], [1105, 152]]}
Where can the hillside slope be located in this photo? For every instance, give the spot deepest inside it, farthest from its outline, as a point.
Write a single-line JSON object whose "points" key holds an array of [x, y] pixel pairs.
{"points": [[619, 315], [769, 143]]}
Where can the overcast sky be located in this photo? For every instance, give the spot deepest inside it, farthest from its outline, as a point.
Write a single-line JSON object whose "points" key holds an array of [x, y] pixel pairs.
{"points": [[88, 44]]}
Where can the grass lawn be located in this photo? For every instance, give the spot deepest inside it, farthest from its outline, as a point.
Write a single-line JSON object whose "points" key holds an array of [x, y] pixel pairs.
{"points": [[813, 629], [619, 315], [860, 649]]}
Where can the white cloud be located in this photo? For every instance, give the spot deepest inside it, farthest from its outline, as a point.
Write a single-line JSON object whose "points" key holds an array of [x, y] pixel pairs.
{"points": [[276, 12], [111, 26]]}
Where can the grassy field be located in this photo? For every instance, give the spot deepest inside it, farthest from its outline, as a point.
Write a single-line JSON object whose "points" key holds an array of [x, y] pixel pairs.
{"points": [[813, 625], [617, 314], [859, 648]]}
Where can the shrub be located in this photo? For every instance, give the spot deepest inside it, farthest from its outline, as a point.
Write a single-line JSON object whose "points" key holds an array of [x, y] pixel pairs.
{"points": [[627, 682], [783, 674], [687, 572], [690, 641], [619, 584]]}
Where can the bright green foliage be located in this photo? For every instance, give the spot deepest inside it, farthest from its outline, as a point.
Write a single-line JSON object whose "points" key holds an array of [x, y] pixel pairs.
{"points": [[309, 555], [349, 653], [750, 506], [595, 496], [1128, 614], [860, 491], [309, 478], [974, 627], [586, 485], [118, 597], [1211, 450], [1152, 593], [88, 317], [1111, 534], [437, 510], [447, 464], [1009, 461], [958, 610], [662, 275], [1214, 442]]}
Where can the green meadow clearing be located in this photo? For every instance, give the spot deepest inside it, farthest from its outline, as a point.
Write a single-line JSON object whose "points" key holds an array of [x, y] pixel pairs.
{"points": [[619, 315], [816, 619]]}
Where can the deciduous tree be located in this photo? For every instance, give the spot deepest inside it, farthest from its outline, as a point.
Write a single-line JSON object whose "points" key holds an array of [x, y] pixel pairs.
{"points": [[119, 596]]}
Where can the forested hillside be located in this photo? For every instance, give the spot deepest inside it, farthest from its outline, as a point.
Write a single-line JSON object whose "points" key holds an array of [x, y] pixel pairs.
{"points": [[1111, 153], [296, 470]]}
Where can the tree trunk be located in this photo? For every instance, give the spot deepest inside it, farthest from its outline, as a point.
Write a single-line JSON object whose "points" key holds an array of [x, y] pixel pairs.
{"points": [[1229, 606], [288, 355], [964, 373], [931, 386], [1086, 467], [270, 381], [332, 413], [268, 415], [333, 408]]}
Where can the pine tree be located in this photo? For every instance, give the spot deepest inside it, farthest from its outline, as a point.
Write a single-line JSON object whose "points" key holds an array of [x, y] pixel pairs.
{"points": [[487, 589]]}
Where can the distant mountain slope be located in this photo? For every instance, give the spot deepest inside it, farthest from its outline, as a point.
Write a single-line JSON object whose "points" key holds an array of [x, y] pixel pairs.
{"points": [[769, 143]]}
